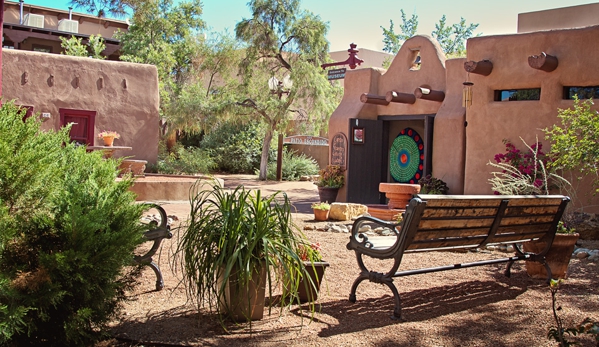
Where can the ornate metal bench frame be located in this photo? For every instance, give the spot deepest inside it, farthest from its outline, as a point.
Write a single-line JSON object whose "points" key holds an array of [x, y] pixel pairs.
{"points": [[445, 222], [156, 233]]}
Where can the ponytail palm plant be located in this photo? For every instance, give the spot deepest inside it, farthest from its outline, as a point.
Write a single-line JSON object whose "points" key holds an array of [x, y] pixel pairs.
{"points": [[229, 236]]}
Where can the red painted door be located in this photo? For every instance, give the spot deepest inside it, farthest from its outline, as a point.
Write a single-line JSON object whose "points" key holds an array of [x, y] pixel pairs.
{"points": [[82, 128]]}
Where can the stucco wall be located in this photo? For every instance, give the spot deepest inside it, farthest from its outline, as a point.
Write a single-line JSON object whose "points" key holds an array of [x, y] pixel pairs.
{"points": [[124, 95], [559, 18], [489, 121]]}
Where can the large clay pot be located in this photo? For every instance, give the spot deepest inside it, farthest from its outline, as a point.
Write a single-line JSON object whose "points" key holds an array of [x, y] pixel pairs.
{"points": [[236, 296], [557, 258], [327, 194], [307, 291], [399, 194], [321, 215]]}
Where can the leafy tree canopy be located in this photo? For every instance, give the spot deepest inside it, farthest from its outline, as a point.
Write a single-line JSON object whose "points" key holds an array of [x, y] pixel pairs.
{"points": [[452, 38]]}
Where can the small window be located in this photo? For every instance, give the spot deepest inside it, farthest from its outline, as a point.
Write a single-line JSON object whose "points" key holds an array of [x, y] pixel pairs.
{"points": [[581, 92], [416, 61], [518, 94]]}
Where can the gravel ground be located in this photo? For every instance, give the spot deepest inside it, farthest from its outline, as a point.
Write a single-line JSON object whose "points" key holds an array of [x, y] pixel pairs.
{"points": [[468, 307]]}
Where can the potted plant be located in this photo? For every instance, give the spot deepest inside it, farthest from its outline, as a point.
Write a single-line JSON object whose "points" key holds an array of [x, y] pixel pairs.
{"points": [[233, 245], [329, 181], [558, 256], [108, 137], [432, 185], [312, 272], [321, 210]]}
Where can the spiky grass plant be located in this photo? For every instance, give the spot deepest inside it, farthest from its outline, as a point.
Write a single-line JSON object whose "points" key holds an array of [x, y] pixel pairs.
{"points": [[229, 235]]}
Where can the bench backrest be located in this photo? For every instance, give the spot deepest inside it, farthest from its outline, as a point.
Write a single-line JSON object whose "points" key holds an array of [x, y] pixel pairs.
{"points": [[445, 221]]}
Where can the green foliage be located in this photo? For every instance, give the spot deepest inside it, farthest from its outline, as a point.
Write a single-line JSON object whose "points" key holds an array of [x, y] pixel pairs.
{"points": [[331, 177], [235, 147], [309, 251], [394, 40], [575, 143], [183, 160], [452, 38], [432, 185], [74, 46], [117, 8], [288, 44], [168, 37], [235, 231], [294, 166], [321, 206], [68, 230]]}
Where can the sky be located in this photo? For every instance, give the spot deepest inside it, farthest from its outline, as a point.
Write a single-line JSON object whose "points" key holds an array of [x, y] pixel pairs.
{"points": [[360, 21]]}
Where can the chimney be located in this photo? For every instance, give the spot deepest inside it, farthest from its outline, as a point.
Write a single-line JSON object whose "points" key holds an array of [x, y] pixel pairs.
{"points": [[70, 13], [21, 11]]}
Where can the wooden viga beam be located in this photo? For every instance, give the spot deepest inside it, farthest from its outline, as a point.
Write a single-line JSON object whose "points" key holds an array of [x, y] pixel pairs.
{"points": [[374, 99], [543, 61], [429, 94], [483, 67], [403, 98]]}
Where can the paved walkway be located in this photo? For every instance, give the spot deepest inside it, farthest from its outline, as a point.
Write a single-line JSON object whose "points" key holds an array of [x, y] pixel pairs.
{"points": [[302, 194]]}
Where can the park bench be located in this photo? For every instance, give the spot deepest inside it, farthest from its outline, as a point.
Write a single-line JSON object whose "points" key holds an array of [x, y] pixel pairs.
{"points": [[444, 222], [158, 230]]}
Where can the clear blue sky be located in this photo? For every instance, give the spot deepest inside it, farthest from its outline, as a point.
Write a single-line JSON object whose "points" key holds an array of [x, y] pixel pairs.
{"points": [[360, 21]]}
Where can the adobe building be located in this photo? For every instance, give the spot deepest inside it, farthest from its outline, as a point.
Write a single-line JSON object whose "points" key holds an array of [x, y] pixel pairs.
{"points": [[410, 121], [94, 95]]}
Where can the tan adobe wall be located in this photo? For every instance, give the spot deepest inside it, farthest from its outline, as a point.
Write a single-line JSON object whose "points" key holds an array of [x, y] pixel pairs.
{"points": [[489, 122], [559, 18], [124, 95]]}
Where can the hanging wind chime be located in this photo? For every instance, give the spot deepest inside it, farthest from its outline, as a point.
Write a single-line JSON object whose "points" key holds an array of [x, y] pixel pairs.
{"points": [[467, 92]]}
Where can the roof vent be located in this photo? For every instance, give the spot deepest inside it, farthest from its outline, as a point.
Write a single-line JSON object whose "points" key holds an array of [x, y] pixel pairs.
{"points": [[71, 26], [34, 20]]}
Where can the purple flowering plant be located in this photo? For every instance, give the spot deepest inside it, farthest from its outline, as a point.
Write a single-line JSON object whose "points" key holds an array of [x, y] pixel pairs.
{"points": [[524, 172]]}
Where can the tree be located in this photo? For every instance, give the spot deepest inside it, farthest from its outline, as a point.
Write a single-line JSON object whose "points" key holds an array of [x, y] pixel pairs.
{"points": [[451, 38], [117, 8], [168, 37], [74, 46], [408, 28], [574, 144], [284, 43]]}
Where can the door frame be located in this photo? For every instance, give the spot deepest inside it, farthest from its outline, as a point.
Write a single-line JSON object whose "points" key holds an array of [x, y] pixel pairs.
{"points": [[91, 116]]}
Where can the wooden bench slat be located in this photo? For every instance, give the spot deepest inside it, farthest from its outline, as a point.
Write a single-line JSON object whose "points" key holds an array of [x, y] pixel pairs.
{"points": [[457, 232], [526, 220], [441, 213], [455, 223]]}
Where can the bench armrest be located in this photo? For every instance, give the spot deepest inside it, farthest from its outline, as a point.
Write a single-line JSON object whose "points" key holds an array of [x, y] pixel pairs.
{"points": [[380, 247]]}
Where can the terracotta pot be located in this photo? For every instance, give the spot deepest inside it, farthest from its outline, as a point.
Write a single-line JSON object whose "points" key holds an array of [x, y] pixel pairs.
{"points": [[308, 291], [108, 140], [321, 215], [399, 194], [327, 194], [244, 303], [557, 258]]}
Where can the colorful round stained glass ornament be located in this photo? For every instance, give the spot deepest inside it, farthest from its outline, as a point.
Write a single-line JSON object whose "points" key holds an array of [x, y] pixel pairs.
{"points": [[407, 157]]}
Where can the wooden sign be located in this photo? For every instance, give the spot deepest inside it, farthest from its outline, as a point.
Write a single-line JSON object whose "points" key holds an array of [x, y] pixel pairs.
{"points": [[339, 150], [336, 74], [306, 140]]}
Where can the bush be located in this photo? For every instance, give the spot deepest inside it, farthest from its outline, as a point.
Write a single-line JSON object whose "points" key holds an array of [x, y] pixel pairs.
{"points": [[184, 161], [235, 148], [68, 230], [294, 166]]}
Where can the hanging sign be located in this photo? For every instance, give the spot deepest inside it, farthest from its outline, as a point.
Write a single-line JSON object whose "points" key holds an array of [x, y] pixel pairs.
{"points": [[306, 140], [336, 74]]}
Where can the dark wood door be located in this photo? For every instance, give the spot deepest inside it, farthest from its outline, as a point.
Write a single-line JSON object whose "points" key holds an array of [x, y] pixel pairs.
{"points": [[367, 163], [82, 125]]}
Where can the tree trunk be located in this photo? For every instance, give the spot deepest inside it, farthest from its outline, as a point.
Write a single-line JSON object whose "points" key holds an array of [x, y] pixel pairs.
{"points": [[265, 148]]}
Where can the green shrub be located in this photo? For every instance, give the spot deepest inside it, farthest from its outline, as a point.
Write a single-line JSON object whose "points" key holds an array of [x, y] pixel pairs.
{"points": [[68, 230], [184, 161], [294, 166], [235, 148]]}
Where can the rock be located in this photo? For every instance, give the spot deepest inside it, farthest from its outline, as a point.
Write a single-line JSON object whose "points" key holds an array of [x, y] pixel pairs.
{"points": [[365, 228], [581, 255], [509, 248], [309, 227], [337, 229], [594, 256], [387, 232], [346, 211]]}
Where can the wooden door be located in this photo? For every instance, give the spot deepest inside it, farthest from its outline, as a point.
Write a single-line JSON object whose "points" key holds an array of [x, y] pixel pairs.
{"points": [[82, 125], [367, 163]]}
